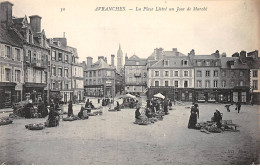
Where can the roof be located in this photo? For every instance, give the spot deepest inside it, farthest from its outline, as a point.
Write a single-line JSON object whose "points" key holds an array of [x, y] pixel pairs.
{"points": [[132, 61], [174, 62], [163, 53], [100, 64], [212, 56], [73, 50], [226, 62], [9, 36], [253, 63]]}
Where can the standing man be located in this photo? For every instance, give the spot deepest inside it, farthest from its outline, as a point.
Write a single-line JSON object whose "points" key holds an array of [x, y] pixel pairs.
{"points": [[238, 106]]}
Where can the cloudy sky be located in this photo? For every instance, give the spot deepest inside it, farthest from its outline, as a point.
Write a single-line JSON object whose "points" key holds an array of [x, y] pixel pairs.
{"points": [[228, 26]]}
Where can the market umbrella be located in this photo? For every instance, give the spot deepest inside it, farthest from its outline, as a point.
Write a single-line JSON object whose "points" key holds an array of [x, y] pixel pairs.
{"points": [[131, 96], [159, 95]]}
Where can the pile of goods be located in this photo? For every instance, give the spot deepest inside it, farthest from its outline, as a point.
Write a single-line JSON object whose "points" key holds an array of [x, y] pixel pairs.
{"points": [[71, 118], [5, 121], [142, 122], [99, 112], [14, 116], [208, 127], [39, 126]]}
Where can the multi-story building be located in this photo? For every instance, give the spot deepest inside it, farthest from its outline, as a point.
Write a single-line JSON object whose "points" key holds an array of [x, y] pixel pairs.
{"points": [[11, 59], [60, 68], [206, 76], [253, 61], [77, 75], [99, 78], [234, 79], [171, 74], [36, 52], [135, 74]]}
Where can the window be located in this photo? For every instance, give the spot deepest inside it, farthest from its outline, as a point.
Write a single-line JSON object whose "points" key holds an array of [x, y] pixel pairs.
{"points": [[66, 58], [176, 73], [60, 57], [241, 73], [166, 83], [90, 81], [156, 83], [75, 86], [17, 54], [8, 52], [223, 73], [255, 84], [166, 73], [199, 74], [99, 73], [60, 85], [130, 79], [241, 83], [94, 74], [232, 83], [185, 73], [108, 73], [136, 63], [254, 73], [53, 55], [59, 71], [53, 85], [185, 62], [17, 75], [156, 73], [90, 73], [66, 72], [8, 75], [94, 81], [215, 83], [99, 81], [199, 83], [223, 83], [166, 63], [53, 71], [207, 73], [207, 84], [207, 63], [215, 73], [176, 84], [185, 84], [29, 56], [66, 86]]}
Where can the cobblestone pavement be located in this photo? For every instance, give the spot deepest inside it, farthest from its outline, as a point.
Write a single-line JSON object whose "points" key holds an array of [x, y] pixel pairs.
{"points": [[112, 138]]}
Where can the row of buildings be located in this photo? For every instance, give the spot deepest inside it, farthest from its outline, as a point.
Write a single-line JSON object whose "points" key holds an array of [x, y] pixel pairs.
{"points": [[33, 66], [201, 78]]}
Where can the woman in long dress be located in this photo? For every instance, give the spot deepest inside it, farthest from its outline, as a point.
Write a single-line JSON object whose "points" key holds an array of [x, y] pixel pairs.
{"points": [[193, 116], [70, 109]]}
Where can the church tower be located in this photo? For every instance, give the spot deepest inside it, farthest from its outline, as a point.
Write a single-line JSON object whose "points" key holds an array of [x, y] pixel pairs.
{"points": [[119, 59]]}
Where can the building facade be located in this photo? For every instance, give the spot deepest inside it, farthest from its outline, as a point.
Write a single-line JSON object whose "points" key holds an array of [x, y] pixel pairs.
{"points": [[170, 73], [36, 52], [11, 59], [99, 78], [60, 68], [135, 75], [77, 76]]}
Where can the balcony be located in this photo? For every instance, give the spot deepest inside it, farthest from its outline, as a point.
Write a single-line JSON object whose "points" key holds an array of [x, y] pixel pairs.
{"points": [[33, 63], [137, 75]]}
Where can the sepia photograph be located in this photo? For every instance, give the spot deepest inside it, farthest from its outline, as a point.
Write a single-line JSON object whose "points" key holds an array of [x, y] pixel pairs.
{"points": [[129, 82]]}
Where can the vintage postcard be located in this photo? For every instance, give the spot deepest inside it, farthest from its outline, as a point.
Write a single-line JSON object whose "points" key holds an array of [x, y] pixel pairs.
{"points": [[129, 82]]}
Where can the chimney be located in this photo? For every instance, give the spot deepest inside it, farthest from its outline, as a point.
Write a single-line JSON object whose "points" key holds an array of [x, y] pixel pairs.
{"points": [[217, 54], [242, 56], [235, 54], [35, 22], [89, 62], [253, 54], [113, 60], [126, 57], [101, 57], [175, 51], [223, 54], [192, 53], [6, 13]]}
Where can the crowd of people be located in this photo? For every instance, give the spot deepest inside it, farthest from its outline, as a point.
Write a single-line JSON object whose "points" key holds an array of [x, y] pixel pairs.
{"points": [[155, 109]]}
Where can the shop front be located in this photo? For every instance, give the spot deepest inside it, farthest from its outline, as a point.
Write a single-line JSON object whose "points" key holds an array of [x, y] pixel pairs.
{"points": [[167, 91], [7, 92], [207, 95], [240, 94], [34, 91], [94, 91]]}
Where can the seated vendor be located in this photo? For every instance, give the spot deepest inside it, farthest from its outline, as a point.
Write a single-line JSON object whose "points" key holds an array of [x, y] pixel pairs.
{"points": [[137, 113], [217, 118]]}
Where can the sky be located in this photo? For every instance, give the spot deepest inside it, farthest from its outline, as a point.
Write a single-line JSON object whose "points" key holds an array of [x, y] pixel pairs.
{"points": [[228, 26]]}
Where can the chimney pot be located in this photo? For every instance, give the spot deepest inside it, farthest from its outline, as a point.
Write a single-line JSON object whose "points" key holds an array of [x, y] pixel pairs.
{"points": [[35, 22]]}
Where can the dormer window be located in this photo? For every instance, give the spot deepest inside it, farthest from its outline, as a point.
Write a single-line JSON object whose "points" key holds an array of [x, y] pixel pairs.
{"points": [[166, 62], [184, 62], [137, 63], [207, 63], [59, 44]]}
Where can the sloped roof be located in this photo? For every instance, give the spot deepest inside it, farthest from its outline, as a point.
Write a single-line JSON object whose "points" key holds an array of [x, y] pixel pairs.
{"points": [[134, 59], [253, 63], [237, 63], [100, 64], [9, 36], [205, 57], [166, 53], [174, 61]]}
